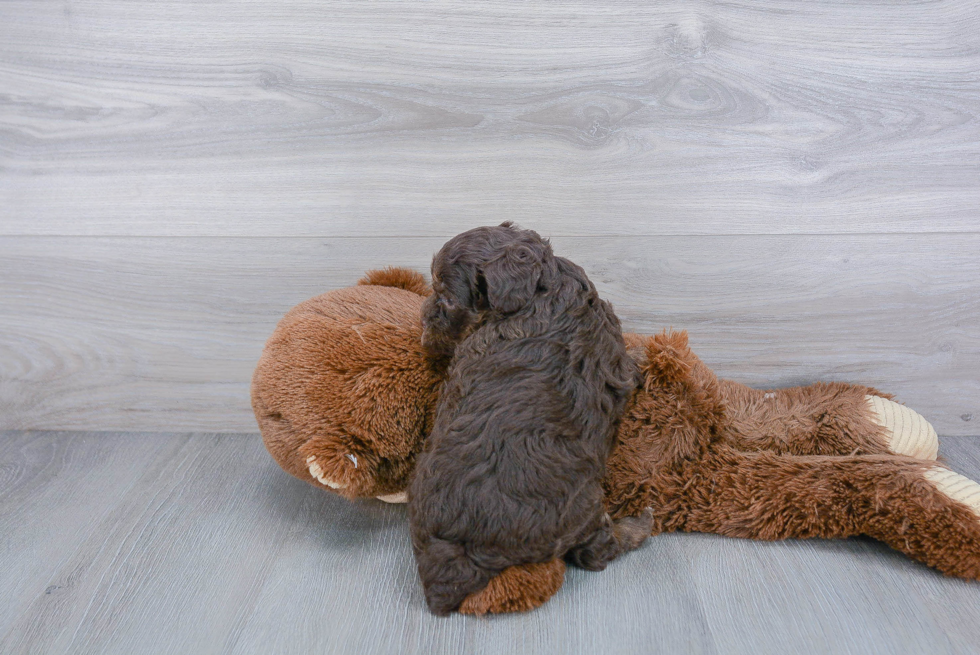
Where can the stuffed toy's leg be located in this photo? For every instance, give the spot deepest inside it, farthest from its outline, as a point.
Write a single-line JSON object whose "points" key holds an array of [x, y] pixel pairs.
{"points": [[831, 418], [915, 506], [825, 419]]}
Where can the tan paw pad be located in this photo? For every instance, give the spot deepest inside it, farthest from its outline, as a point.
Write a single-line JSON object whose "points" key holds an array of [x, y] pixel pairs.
{"points": [[317, 473], [906, 431], [399, 497], [958, 487]]}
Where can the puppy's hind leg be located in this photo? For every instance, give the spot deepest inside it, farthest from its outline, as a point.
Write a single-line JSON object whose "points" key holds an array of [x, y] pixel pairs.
{"points": [[448, 575], [611, 540]]}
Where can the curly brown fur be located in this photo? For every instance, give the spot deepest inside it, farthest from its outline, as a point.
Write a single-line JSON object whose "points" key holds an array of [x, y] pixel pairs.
{"points": [[526, 418]]}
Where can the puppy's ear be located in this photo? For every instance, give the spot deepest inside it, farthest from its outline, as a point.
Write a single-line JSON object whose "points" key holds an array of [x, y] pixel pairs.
{"points": [[512, 278]]}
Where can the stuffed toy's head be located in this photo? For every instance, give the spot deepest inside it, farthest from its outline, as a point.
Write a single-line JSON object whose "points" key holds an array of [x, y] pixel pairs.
{"points": [[343, 393]]}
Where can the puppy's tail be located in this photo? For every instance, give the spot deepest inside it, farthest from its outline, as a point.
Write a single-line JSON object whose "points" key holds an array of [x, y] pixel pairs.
{"points": [[400, 278], [448, 575]]}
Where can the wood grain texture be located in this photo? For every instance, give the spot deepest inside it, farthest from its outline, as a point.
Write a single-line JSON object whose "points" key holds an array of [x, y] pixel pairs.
{"points": [[322, 118], [162, 333], [175, 175], [203, 545], [55, 492]]}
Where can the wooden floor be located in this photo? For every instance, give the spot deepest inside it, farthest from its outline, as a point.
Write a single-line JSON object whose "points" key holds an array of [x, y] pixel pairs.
{"points": [[198, 543]]}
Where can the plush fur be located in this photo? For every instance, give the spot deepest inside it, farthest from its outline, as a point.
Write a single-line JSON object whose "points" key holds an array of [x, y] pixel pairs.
{"points": [[517, 589], [687, 449], [526, 418], [343, 382], [707, 454]]}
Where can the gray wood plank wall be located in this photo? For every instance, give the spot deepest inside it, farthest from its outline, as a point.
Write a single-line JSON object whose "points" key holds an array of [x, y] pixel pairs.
{"points": [[795, 183]]}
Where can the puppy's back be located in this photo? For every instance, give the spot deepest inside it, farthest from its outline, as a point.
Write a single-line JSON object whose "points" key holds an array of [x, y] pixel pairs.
{"points": [[526, 420]]}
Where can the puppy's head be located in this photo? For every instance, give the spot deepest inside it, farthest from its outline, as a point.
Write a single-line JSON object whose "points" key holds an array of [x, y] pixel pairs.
{"points": [[485, 270]]}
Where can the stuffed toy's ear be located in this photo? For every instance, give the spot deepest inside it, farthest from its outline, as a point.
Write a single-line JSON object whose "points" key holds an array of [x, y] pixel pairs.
{"points": [[399, 278], [512, 278]]}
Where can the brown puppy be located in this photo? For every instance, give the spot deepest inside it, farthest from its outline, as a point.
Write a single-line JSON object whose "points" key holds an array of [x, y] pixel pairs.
{"points": [[527, 417]]}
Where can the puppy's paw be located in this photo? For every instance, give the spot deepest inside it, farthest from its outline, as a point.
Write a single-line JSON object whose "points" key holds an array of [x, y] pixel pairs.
{"points": [[632, 531]]}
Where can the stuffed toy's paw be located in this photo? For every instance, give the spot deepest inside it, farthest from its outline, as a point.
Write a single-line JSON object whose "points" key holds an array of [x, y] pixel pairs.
{"points": [[906, 432], [317, 472], [955, 486]]}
